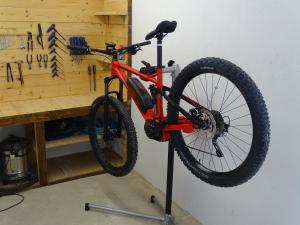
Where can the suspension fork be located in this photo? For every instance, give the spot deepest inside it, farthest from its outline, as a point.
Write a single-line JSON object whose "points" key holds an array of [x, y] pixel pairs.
{"points": [[119, 94]]}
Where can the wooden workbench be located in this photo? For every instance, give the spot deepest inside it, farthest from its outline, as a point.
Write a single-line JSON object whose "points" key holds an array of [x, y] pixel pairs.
{"points": [[43, 98]]}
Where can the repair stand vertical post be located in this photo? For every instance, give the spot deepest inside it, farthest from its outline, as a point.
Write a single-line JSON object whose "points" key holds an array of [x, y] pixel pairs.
{"points": [[168, 219], [170, 172]]}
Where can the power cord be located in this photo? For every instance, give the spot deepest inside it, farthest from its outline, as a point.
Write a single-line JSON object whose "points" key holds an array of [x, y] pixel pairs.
{"points": [[14, 205]]}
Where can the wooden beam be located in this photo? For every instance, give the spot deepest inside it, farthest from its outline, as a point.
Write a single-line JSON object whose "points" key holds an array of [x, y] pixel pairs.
{"points": [[40, 149]]}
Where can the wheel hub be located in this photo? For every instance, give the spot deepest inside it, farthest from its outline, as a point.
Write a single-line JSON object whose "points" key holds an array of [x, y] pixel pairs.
{"points": [[215, 123]]}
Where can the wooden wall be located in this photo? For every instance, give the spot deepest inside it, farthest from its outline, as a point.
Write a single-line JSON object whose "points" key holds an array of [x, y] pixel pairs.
{"points": [[72, 17]]}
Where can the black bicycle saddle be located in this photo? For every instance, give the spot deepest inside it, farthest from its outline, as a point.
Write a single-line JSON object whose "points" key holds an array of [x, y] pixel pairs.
{"points": [[163, 27]]}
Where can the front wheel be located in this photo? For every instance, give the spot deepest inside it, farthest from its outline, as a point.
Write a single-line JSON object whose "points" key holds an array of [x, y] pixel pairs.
{"points": [[113, 136], [234, 145]]}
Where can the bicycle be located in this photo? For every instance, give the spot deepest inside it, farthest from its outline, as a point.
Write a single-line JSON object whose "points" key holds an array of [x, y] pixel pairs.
{"points": [[213, 106]]}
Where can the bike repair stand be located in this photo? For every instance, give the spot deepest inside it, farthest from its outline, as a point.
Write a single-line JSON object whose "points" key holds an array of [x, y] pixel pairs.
{"points": [[168, 219]]}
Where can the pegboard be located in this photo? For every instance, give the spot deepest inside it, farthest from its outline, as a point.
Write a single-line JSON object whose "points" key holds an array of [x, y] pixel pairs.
{"points": [[99, 21]]}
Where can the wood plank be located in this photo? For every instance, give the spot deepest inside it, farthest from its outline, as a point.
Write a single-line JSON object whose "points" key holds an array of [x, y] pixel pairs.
{"points": [[73, 166], [111, 13], [53, 4], [115, 5], [66, 29], [13, 14], [67, 141]]}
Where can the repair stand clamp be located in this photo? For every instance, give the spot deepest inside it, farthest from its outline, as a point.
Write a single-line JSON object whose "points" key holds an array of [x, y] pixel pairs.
{"points": [[167, 219]]}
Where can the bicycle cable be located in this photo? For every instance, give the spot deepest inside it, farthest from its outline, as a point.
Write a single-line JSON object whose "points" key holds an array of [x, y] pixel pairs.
{"points": [[14, 205], [104, 56]]}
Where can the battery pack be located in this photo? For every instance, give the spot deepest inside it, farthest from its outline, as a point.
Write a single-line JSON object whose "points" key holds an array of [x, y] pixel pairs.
{"points": [[143, 97]]}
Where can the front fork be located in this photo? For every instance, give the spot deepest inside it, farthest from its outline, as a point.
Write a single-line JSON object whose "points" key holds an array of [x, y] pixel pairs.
{"points": [[106, 132]]}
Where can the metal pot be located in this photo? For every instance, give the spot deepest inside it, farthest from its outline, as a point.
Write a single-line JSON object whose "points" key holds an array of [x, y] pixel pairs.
{"points": [[14, 158]]}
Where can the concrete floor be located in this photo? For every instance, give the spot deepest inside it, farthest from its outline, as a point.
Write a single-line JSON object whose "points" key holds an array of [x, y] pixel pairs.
{"points": [[64, 203]]}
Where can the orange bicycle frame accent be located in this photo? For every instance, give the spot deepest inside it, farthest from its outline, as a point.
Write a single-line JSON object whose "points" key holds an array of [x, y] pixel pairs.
{"points": [[156, 113]]}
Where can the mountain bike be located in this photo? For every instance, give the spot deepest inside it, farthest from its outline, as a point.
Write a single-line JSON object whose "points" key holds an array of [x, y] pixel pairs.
{"points": [[216, 117]]}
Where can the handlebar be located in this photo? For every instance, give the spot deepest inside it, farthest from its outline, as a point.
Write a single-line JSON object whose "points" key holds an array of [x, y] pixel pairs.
{"points": [[135, 46], [132, 49]]}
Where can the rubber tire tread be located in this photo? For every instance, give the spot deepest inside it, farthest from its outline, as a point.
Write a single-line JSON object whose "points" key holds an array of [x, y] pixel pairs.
{"points": [[132, 145], [258, 111]]}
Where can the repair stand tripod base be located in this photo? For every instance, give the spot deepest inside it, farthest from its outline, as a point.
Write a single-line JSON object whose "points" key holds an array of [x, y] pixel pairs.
{"points": [[167, 219]]}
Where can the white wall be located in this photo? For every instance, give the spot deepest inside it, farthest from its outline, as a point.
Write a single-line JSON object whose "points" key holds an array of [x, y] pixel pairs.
{"points": [[262, 37]]}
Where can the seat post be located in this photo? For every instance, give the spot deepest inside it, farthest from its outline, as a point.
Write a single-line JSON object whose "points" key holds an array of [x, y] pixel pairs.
{"points": [[159, 50]]}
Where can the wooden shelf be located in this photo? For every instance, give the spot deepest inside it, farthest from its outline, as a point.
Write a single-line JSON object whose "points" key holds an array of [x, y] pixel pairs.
{"points": [[73, 166], [67, 141], [111, 13]]}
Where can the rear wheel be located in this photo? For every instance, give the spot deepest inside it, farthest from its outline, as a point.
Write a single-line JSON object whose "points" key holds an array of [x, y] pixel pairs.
{"points": [[234, 145], [116, 149]]}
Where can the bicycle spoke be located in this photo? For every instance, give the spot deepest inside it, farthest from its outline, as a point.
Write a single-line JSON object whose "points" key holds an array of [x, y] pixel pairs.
{"points": [[200, 150], [193, 140], [239, 139], [224, 95], [236, 145], [211, 158], [221, 165], [192, 92], [186, 94], [227, 98], [250, 134], [195, 91], [215, 89], [189, 135], [226, 162], [234, 108], [240, 117], [203, 156], [231, 102], [204, 91], [228, 149], [241, 125], [231, 152]]}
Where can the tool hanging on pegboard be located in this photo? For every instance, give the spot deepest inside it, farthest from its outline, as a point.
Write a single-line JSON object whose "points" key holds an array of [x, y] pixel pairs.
{"points": [[29, 42], [94, 77], [56, 44], [39, 37], [45, 60], [29, 61], [9, 73], [22, 45], [93, 82], [54, 52], [78, 55], [53, 29], [53, 44], [90, 76], [39, 59], [21, 79], [7, 41]]}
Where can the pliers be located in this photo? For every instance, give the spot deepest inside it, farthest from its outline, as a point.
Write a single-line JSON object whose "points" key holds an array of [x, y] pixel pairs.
{"points": [[45, 59], [9, 74], [29, 42], [29, 61], [39, 59]]}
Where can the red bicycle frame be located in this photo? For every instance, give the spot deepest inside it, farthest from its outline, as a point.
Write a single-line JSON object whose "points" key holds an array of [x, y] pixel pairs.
{"points": [[156, 113]]}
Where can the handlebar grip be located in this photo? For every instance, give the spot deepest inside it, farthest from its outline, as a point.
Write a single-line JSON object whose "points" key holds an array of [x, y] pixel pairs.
{"points": [[78, 48], [101, 51], [142, 44]]}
